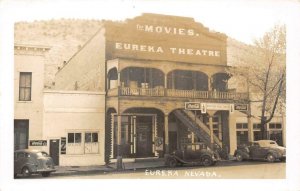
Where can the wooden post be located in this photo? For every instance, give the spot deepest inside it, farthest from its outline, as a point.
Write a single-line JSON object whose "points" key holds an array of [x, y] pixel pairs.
{"points": [[166, 134]]}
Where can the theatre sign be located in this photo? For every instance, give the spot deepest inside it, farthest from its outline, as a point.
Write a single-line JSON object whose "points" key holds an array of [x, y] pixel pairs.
{"points": [[154, 37]]}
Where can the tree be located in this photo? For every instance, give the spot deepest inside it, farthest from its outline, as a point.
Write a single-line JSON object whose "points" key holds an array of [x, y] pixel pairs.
{"points": [[264, 69]]}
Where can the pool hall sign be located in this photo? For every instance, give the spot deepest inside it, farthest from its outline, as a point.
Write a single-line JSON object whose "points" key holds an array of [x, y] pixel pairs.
{"points": [[171, 38]]}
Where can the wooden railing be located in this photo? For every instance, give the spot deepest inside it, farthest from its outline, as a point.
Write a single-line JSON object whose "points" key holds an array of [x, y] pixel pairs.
{"points": [[162, 92]]}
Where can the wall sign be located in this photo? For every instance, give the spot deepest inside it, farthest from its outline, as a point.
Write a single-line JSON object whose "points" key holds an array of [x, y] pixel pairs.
{"points": [[38, 142], [159, 143], [241, 107], [192, 106], [63, 145]]}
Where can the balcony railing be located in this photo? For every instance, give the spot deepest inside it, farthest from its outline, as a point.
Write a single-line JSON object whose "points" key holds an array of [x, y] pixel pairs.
{"points": [[162, 92]]}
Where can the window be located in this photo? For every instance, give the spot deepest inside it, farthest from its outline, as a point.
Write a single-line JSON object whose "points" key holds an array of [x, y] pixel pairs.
{"points": [[256, 126], [91, 137], [91, 145], [241, 126], [74, 137], [275, 126], [25, 86]]}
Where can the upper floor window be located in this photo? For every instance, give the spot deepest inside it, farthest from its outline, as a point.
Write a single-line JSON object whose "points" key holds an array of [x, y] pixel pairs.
{"points": [[25, 86], [275, 126]]}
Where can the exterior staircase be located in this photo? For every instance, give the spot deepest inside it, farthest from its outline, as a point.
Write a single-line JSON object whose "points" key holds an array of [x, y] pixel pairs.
{"points": [[197, 127]]}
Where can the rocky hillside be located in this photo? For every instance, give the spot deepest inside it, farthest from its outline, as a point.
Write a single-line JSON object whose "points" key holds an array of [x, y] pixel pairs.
{"points": [[65, 37]]}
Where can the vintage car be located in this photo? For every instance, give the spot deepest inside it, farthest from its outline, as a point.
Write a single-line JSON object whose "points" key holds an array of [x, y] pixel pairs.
{"points": [[261, 150], [193, 154], [27, 162]]}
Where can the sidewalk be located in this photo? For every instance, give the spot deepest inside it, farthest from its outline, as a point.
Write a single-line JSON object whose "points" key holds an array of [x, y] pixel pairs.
{"points": [[128, 164]]}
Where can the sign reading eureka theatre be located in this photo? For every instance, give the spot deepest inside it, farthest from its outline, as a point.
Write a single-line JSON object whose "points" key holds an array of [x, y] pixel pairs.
{"points": [[172, 50], [169, 38]]}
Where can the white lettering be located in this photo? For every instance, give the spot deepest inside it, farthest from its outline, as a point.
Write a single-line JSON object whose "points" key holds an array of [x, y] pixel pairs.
{"points": [[173, 50], [143, 48], [160, 50], [204, 52], [211, 53], [181, 31], [118, 45], [190, 32], [190, 51], [181, 51], [158, 29], [217, 53], [148, 28]]}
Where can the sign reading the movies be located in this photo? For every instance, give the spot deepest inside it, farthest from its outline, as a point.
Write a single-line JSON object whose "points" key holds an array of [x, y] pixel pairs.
{"points": [[38, 143]]}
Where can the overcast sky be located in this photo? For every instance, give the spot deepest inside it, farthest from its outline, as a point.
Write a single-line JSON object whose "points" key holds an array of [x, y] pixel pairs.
{"points": [[243, 20]]}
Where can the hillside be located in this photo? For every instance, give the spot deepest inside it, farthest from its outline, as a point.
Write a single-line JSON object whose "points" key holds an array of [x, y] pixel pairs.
{"points": [[64, 36]]}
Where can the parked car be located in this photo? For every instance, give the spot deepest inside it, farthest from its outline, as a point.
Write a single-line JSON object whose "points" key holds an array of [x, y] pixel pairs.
{"points": [[27, 162], [261, 150], [194, 154]]}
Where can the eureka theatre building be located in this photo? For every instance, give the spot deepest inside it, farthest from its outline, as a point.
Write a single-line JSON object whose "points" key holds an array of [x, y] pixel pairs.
{"points": [[165, 79], [167, 86]]}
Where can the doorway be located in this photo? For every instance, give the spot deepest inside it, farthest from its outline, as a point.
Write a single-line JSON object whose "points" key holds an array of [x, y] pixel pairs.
{"points": [[21, 131], [54, 150], [144, 136]]}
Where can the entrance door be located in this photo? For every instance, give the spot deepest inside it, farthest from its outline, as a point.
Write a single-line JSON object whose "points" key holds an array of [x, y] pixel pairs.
{"points": [[54, 150], [21, 129], [144, 136]]}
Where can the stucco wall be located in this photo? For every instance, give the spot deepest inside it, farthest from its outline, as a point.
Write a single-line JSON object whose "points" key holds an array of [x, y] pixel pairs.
{"points": [[75, 111], [31, 110]]}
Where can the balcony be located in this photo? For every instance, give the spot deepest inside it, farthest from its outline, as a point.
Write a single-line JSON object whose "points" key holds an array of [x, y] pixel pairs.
{"points": [[175, 93]]}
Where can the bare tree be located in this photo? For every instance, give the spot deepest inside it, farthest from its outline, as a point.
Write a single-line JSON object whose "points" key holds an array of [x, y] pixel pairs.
{"points": [[264, 69]]}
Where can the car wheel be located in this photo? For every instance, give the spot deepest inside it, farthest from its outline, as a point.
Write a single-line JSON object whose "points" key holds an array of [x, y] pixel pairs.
{"points": [[26, 172], [172, 162], [206, 161], [239, 157], [270, 157], [46, 174]]}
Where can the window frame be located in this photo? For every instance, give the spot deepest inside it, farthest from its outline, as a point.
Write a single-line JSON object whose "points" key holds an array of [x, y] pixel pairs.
{"points": [[24, 88]]}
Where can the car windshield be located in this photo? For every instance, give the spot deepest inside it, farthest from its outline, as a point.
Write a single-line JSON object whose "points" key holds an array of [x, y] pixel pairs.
{"points": [[42, 154]]}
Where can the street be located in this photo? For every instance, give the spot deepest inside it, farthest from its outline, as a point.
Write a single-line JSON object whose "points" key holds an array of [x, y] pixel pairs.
{"points": [[223, 170]]}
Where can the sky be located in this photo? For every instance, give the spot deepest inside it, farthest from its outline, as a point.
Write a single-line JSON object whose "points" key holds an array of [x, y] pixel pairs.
{"points": [[242, 20]]}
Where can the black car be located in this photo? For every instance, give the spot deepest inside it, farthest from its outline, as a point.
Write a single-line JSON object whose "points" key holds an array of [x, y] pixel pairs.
{"points": [[27, 162], [261, 150], [194, 154]]}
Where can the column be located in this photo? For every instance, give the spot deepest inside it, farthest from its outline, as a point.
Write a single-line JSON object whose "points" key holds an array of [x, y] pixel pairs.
{"points": [[134, 134], [210, 121], [119, 135], [220, 127], [250, 128], [131, 135], [211, 128], [112, 134], [232, 133], [166, 134], [166, 85]]}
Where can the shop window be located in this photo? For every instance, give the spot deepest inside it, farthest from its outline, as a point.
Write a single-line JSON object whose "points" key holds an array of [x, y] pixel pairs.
{"points": [[275, 126], [25, 86], [74, 144], [241, 126], [91, 143]]}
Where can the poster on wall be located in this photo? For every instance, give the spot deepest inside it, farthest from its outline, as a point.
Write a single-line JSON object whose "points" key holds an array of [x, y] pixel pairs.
{"points": [[63, 145]]}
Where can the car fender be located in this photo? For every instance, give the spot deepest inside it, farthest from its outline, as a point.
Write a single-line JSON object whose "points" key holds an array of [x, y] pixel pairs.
{"points": [[243, 153], [274, 152], [31, 166]]}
